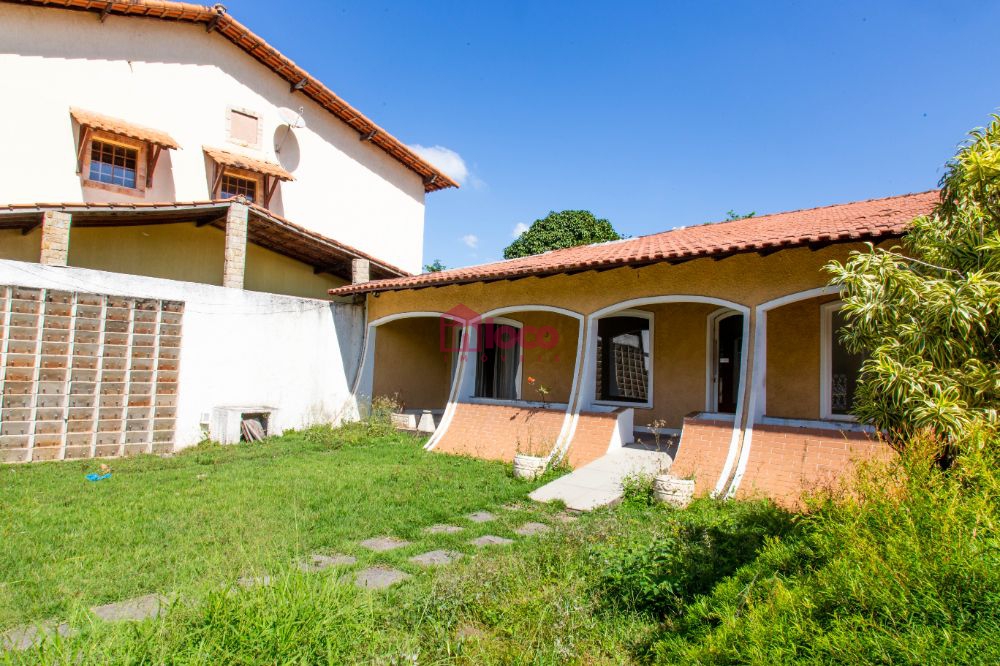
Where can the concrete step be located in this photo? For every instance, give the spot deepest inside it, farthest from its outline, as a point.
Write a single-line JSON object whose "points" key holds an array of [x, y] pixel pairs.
{"points": [[600, 482]]}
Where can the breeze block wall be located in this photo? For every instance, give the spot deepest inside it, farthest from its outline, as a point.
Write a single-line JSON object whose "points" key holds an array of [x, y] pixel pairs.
{"points": [[702, 451], [786, 461], [493, 431]]}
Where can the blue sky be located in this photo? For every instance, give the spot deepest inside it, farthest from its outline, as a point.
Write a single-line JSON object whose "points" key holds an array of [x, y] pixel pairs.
{"points": [[653, 115]]}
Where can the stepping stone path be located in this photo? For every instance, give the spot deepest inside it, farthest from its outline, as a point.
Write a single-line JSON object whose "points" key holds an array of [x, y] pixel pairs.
{"points": [[382, 544], [379, 578], [565, 517], [131, 610], [443, 529], [531, 529], [481, 517], [318, 562], [29, 635], [490, 540], [436, 557], [514, 506]]}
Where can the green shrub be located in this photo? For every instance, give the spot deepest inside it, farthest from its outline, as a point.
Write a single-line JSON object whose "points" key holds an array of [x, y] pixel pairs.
{"points": [[685, 554]]}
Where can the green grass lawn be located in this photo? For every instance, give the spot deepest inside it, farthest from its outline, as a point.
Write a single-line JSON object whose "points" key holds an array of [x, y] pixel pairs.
{"points": [[184, 525]]}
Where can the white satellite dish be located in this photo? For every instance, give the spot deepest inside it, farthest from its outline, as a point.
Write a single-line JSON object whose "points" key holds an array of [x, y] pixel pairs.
{"points": [[292, 119]]}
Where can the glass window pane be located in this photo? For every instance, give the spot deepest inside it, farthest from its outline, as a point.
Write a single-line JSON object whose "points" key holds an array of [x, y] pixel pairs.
{"points": [[623, 359], [845, 368], [113, 164]]}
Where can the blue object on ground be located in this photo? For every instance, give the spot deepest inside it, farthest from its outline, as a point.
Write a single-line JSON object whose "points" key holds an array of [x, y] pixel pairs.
{"points": [[98, 477]]}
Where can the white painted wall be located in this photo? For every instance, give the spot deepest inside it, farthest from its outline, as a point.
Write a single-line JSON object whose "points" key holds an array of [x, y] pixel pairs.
{"points": [[180, 79], [245, 348]]}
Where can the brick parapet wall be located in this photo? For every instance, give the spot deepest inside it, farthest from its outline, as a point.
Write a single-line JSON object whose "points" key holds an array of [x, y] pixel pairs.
{"points": [[592, 437], [494, 432], [787, 461], [702, 452]]}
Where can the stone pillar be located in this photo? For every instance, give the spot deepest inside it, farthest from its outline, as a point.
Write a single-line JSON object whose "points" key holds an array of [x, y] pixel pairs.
{"points": [[360, 271], [55, 238], [236, 246]]}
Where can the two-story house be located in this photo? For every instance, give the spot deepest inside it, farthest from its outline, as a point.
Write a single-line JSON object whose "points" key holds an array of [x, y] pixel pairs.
{"points": [[169, 179]]}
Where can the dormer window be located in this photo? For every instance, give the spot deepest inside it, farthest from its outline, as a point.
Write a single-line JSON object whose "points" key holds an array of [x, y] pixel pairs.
{"points": [[240, 175], [116, 155], [113, 163], [233, 186]]}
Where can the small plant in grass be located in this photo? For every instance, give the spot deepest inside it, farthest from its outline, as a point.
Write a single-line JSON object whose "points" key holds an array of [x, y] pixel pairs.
{"points": [[637, 489], [379, 421]]}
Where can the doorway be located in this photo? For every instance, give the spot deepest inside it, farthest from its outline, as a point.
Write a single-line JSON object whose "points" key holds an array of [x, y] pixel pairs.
{"points": [[726, 360]]}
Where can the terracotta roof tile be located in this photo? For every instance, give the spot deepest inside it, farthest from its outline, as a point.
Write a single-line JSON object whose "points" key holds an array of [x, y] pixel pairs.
{"points": [[226, 158], [861, 220], [115, 126], [216, 19]]}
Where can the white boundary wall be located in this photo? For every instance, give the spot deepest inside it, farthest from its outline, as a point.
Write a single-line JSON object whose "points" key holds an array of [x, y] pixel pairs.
{"points": [[238, 348]]}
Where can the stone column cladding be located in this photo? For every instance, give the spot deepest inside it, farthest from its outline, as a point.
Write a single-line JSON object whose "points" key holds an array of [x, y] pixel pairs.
{"points": [[360, 271], [234, 267], [787, 461], [702, 452], [55, 238]]}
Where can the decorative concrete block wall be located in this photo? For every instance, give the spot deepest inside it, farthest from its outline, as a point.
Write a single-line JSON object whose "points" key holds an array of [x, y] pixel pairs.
{"points": [[85, 375]]}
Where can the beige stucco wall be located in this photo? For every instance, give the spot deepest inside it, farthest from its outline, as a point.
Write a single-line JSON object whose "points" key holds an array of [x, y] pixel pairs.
{"points": [[552, 368], [793, 344], [19, 247], [409, 363], [277, 274], [173, 251], [747, 279], [183, 251]]}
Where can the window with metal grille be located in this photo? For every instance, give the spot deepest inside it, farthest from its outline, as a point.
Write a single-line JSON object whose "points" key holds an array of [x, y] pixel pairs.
{"points": [[233, 186], [113, 164]]}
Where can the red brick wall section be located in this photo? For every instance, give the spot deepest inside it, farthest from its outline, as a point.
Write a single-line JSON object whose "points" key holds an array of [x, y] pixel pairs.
{"points": [[786, 461], [493, 431], [702, 452], [592, 437]]}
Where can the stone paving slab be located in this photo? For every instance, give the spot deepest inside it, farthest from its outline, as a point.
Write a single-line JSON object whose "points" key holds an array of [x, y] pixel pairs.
{"points": [[599, 483], [443, 529], [531, 529], [436, 557], [382, 544], [481, 517], [317, 562], [132, 610], [29, 635], [379, 578], [490, 540]]}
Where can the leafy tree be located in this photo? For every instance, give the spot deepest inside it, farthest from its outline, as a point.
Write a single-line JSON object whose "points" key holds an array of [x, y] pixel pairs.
{"points": [[732, 215], [558, 230], [928, 314], [435, 267]]}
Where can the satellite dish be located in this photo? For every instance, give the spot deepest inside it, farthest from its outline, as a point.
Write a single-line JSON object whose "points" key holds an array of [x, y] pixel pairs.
{"points": [[291, 117], [292, 120]]}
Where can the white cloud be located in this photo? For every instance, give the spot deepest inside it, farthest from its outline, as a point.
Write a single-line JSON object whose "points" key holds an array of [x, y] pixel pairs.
{"points": [[471, 240], [519, 229], [445, 159]]}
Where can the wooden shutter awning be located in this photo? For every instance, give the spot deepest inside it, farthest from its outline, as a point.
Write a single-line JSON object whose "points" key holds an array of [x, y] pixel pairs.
{"points": [[225, 158]]}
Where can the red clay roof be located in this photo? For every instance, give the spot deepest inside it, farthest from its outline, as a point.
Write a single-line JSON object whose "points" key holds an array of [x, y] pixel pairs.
{"points": [[862, 220], [115, 126], [215, 18], [226, 158]]}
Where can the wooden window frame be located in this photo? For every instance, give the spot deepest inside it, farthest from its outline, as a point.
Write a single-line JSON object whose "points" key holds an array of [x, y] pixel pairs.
{"points": [[263, 194], [229, 127], [144, 165]]}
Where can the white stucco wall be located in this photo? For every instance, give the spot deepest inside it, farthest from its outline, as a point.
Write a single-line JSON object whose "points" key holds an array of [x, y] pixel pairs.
{"points": [[238, 348], [180, 79]]}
